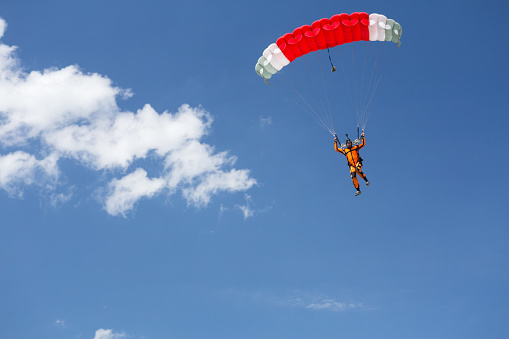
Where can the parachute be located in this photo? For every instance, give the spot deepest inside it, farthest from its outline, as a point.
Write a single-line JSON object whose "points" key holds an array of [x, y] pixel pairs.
{"points": [[362, 32]]}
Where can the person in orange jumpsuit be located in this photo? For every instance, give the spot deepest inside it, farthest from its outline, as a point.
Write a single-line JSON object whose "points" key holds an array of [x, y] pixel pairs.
{"points": [[354, 160]]}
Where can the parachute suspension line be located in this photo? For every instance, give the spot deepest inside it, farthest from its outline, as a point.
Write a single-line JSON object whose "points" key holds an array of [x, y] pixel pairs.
{"points": [[325, 89], [314, 86], [297, 76], [346, 80], [327, 115], [376, 80], [371, 58], [368, 91], [366, 58], [355, 85], [382, 69], [315, 115], [333, 69], [323, 116], [373, 82], [361, 87], [311, 115], [309, 110]]}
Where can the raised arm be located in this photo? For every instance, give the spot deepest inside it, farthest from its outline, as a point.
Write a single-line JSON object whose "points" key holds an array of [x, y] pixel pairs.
{"points": [[338, 149], [363, 142]]}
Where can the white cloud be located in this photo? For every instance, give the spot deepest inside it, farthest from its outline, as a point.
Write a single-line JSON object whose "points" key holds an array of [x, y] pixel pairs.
{"points": [[60, 323], [19, 168], [124, 193], [265, 121], [310, 301], [42, 102], [316, 303], [3, 26], [109, 143], [213, 182], [332, 305], [57, 199], [222, 209], [108, 334], [68, 113], [247, 212]]}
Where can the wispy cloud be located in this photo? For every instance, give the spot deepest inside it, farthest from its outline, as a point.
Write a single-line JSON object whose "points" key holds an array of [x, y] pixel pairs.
{"points": [[222, 210], [57, 199], [265, 121], [310, 301], [123, 193], [247, 211], [55, 114], [318, 303], [20, 168], [109, 334], [60, 323], [333, 305]]}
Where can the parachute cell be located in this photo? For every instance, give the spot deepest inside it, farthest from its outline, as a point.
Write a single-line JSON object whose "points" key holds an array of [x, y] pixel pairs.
{"points": [[327, 33]]}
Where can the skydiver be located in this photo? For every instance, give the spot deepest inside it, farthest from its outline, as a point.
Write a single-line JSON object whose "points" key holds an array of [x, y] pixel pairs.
{"points": [[354, 160]]}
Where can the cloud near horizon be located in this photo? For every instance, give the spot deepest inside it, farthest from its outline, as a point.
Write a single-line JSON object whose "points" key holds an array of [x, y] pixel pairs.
{"points": [[318, 303], [55, 114], [109, 334]]}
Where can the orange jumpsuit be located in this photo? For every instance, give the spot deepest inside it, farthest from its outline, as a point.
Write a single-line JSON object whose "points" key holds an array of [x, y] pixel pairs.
{"points": [[354, 161]]}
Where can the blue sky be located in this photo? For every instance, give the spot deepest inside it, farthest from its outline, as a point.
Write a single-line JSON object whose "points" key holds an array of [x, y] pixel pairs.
{"points": [[152, 186]]}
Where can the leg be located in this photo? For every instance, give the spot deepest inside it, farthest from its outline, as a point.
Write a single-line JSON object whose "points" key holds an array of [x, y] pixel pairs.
{"points": [[353, 174], [359, 170]]}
